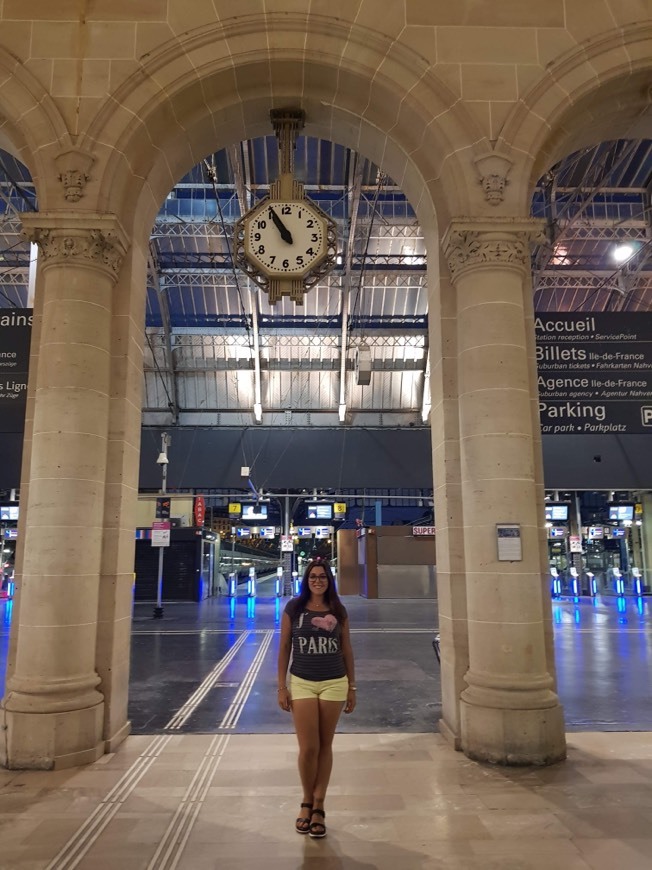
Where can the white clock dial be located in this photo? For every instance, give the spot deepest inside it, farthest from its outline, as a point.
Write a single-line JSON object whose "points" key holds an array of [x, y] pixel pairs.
{"points": [[285, 238]]}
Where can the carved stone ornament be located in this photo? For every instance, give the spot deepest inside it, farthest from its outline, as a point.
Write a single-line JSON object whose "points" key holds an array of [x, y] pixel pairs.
{"points": [[74, 167], [493, 169], [91, 245], [494, 188], [466, 249], [73, 181]]}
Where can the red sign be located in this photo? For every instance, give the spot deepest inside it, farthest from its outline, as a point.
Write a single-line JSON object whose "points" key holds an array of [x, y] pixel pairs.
{"points": [[200, 510]]}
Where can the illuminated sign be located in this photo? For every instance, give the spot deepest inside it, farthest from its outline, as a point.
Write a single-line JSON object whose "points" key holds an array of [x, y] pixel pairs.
{"points": [[319, 511], [242, 532]]}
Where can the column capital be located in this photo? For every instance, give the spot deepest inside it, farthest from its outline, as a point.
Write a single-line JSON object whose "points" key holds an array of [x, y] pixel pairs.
{"points": [[470, 243], [85, 239]]}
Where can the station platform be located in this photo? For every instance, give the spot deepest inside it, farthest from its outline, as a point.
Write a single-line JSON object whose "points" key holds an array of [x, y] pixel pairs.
{"points": [[208, 777]]}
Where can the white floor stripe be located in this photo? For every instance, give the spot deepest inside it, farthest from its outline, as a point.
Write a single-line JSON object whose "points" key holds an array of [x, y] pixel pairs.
{"points": [[79, 844], [185, 712], [232, 715]]}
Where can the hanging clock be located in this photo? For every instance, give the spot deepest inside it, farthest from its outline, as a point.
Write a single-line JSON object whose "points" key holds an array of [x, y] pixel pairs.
{"points": [[286, 243]]}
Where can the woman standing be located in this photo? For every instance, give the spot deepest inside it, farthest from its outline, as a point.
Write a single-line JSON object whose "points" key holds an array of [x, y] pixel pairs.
{"points": [[315, 629]]}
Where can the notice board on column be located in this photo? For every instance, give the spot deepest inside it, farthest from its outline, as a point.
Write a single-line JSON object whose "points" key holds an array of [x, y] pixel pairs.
{"points": [[594, 372], [15, 335]]}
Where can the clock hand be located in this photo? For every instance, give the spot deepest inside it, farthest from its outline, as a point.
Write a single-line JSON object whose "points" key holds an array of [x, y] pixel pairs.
{"points": [[286, 235]]}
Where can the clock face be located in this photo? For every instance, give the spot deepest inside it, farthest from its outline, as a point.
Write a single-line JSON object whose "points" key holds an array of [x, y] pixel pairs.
{"points": [[285, 238]]}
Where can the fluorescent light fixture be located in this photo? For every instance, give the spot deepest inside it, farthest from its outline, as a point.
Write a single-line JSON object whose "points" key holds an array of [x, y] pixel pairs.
{"points": [[622, 253], [342, 412], [258, 412]]}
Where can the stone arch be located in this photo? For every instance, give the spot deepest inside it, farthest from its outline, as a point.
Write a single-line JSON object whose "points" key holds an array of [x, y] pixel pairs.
{"points": [[600, 90], [216, 86], [30, 123]]}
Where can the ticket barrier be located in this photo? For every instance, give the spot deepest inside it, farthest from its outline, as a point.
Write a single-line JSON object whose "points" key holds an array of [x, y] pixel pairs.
{"points": [[556, 582], [251, 583], [296, 583], [637, 581], [593, 584], [279, 582], [619, 581], [574, 581], [233, 585]]}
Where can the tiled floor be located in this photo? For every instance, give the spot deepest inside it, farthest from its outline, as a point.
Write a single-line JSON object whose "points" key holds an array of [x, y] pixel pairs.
{"points": [[209, 780], [396, 802]]}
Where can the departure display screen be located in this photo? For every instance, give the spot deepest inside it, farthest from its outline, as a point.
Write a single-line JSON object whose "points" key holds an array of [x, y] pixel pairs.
{"points": [[9, 512], [319, 511], [557, 513], [621, 512], [254, 511]]}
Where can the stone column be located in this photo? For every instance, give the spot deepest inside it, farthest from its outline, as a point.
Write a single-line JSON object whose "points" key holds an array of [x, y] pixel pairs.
{"points": [[53, 708], [509, 712], [444, 420]]}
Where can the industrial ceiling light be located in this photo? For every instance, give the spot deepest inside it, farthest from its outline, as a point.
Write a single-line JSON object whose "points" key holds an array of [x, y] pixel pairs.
{"points": [[623, 252]]}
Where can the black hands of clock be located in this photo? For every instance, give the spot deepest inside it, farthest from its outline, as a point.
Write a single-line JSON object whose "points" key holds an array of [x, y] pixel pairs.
{"points": [[286, 235]]}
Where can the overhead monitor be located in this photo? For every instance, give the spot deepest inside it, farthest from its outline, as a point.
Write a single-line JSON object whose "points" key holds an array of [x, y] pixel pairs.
{"points": [[254, 511], [242, 532], [618, 533], [319, 510], [620, 512], [596, 532], [557, 512], [267, 532], [9, 512]]}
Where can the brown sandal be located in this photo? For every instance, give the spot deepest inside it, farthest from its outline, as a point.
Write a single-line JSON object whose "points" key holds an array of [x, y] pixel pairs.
{"points": [[317, 829], [302, 824]]}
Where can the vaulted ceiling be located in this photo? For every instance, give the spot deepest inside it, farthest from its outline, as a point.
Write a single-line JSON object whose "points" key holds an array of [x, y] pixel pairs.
{"points": [[217, 353]]}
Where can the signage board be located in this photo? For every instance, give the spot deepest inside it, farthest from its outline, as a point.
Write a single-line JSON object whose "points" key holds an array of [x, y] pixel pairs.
{"points": [[595, 533], [199, 510], [508, 536], [594, 372], [556, 532], [267, 531], [575, 544], [15, 334], [235, 509], [163, 508], [9, 512], [323, 531], [242, 532], [339, 509], [287, 544], [161, 533], [11, 534], [304, 532], [423, 531]]}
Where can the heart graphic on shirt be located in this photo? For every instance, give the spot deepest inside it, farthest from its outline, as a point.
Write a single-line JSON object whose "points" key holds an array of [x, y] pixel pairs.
{"points": [[326, 622]]}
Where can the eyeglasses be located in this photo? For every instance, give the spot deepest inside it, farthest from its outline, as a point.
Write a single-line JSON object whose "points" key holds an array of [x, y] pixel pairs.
{"points": [[318, 577]]}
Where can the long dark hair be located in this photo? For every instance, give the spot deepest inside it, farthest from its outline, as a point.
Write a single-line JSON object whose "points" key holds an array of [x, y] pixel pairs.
{"points": [[331, 598]]}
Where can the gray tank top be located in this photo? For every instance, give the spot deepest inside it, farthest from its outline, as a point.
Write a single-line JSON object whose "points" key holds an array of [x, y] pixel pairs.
{"points": [[316, 646]]}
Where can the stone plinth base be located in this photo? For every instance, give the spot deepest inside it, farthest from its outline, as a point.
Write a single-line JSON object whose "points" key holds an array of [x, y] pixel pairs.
{"points": [[112, 743], [449, 735], [50, 741], [513, 737]]}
